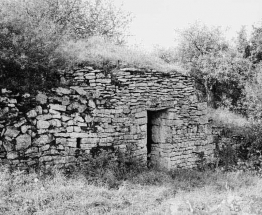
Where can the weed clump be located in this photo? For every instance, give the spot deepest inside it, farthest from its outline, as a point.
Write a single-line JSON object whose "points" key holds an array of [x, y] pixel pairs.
{"points": [[245, 134], [109, 167]]}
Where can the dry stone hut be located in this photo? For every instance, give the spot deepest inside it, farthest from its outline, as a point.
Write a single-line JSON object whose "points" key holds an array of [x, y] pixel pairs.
{"points": [[151, 114]]}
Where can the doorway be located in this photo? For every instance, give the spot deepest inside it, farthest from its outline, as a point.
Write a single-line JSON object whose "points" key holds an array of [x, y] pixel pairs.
{"points": [[156, 136]]}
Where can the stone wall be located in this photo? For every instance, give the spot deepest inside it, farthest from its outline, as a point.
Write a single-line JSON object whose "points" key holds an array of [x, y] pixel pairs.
{"points": [[153, 115]]}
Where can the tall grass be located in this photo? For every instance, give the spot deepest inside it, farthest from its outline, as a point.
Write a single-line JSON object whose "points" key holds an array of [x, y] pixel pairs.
{"points": [[99, 51], [149, 192]]}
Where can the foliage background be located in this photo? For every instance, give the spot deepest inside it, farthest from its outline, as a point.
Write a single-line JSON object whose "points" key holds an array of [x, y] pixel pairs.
{"points": [[32, 31]]}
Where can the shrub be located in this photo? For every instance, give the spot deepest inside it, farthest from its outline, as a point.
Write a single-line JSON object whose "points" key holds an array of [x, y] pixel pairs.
{"points": [[247, 133], [251, 103], [109, 167]]}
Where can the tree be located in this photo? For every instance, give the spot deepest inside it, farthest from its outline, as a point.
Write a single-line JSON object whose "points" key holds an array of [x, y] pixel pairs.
{"points": [[256, 44], [217, 68], [32, 30], [100, 18], [242, 43]]}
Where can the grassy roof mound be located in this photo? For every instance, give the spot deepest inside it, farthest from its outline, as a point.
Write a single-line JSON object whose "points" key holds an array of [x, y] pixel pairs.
{"points": [[98, 52]]}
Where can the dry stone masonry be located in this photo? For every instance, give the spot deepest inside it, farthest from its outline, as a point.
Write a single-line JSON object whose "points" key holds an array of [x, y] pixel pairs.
{"points": [[153, 115]]}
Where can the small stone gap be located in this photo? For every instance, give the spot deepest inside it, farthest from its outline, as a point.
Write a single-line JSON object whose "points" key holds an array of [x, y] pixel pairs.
{"points": [[78, 142]]}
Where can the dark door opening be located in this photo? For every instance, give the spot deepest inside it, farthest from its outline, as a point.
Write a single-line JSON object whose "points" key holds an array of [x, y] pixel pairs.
{"points": [[156, 135], [150, 115]]}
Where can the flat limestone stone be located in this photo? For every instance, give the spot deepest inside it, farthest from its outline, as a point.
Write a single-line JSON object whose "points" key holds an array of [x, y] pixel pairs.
{"points": [[41, 124], [57, 107], [31, 114], [11, 132], [43, 139], [79, 90], [12, 155], [64, 91], [23, 142], [41, 98]]}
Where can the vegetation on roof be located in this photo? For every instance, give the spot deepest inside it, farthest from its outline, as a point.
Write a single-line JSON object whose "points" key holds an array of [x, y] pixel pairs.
{"points": [[101, 51]]}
